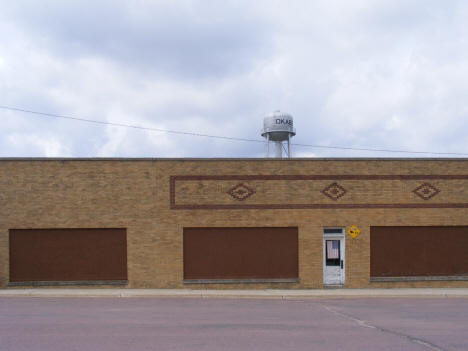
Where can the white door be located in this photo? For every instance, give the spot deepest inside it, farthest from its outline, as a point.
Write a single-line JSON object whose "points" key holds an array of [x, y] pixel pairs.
{"points": [[333, 257]]}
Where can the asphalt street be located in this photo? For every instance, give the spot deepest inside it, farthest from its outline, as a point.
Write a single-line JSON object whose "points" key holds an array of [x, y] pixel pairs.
{"points": [[233, 324]]}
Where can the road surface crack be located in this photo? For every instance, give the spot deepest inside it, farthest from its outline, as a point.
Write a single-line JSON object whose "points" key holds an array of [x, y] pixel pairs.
{"points": [[407, 337]]}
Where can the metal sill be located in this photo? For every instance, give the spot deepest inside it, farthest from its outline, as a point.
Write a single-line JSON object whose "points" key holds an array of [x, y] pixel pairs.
{"points": [[418, 279], [238, 281], [70, 283], [336, 286]]}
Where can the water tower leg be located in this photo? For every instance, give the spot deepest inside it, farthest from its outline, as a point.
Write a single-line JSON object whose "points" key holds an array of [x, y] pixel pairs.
{"points": [[278, 149], [289, 145], [268, 146]]}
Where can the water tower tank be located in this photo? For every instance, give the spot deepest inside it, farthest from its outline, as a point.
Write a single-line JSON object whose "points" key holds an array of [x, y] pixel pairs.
{"points": [[278, 127]]}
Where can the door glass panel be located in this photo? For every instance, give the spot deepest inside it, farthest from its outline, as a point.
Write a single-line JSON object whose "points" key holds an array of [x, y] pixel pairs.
{"points": [[332, 252]]}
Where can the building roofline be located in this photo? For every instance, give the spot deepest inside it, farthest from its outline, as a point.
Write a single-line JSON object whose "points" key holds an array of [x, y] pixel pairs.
{"points": [[271, 159]]}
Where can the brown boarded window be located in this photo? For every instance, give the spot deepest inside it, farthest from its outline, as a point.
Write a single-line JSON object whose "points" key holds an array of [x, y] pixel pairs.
{"points": [[419, 251], [241, 253], [68, 255]]}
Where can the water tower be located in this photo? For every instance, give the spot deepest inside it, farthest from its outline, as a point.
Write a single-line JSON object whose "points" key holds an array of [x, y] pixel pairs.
{"points": [[278, 127]]}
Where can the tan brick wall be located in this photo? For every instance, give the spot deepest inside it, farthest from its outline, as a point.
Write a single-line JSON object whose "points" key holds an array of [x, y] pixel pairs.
{"points": [[136, 194]]}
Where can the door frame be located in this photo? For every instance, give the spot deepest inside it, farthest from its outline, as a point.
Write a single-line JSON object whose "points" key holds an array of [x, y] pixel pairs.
{"points": [[341, 238]]}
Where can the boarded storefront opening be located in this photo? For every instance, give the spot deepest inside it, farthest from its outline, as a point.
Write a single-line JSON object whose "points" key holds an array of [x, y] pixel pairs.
{"points": [[240, 253], [419, 251], [68, 255]]}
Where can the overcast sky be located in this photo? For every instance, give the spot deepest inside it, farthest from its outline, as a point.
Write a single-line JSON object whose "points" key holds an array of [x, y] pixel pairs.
{"points": [[353, 74]]}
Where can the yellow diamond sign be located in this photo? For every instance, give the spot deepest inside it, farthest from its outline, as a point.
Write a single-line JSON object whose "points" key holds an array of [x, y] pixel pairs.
{"points": [[353, 231]]}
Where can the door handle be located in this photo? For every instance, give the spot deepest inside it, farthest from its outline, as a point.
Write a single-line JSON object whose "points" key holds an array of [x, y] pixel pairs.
{"points": [[341, 264]]}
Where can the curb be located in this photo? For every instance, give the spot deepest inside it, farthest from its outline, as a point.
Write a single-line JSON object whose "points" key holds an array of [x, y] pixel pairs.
{"points": [[246, 294]]}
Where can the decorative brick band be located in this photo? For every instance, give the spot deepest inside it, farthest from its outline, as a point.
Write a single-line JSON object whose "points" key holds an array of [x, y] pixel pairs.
{"points": [[325, 177], [334, 192], [311, 206]]}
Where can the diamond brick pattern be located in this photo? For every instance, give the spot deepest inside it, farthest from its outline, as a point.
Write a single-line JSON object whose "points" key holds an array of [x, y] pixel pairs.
{"points": [[241, 192], [334, 191], [426, 191]]}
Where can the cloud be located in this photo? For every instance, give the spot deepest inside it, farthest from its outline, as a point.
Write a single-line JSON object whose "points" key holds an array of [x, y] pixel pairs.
{"points": [[363, 74], [48, 146], [177, 38]]}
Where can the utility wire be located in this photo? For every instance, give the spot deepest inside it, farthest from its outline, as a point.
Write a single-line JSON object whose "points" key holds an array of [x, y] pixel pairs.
{"points": [[229, 138], [285, 149], [129, 126]]}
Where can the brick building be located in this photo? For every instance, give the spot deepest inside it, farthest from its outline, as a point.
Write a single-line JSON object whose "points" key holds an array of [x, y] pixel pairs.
{"points": [[234, 223]]}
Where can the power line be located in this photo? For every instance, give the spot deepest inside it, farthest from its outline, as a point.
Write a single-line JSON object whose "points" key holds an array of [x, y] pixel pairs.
{"points": [[129, 126], [230, 138], [383, 150]]}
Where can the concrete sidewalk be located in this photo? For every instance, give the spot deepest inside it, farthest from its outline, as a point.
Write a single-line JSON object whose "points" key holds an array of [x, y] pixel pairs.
{"points": [[263, 294]]}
